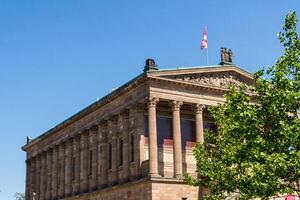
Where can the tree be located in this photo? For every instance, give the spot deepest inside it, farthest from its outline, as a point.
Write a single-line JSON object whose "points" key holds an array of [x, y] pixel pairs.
{"points": [[19, 196], [255, 152]]}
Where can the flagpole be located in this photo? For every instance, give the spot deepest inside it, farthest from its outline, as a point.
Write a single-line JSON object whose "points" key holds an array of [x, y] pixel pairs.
{"points": [[207, 63], [206, 46]]}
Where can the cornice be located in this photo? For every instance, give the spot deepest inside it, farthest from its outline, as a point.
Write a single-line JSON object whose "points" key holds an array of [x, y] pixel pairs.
{"points": [[200, 69]]}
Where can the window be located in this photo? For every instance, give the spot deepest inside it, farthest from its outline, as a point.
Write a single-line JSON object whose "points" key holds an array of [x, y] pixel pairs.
{"points": [[187, 131], [109, 155], [73, 168], [120, 152], [164, 129], [91, 163], [132, 148], [210, 125]]}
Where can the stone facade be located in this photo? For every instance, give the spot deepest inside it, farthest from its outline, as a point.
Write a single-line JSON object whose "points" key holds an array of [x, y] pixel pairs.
{"points": [[135, 143]]}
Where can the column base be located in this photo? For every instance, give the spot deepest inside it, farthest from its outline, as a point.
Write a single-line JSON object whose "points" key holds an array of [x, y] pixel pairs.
{"points": [[154, 175], [179, 176]]}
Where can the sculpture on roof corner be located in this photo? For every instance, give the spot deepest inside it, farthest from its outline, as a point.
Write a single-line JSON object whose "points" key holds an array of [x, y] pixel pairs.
{"points": [[226, 56], [150, 65], [28, 139]]}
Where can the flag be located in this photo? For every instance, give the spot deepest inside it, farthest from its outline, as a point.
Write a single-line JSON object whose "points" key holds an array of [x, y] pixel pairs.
{"points": [[204, 40]]}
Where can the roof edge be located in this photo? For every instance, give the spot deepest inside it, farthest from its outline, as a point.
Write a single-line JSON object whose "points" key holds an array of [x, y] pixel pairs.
{"points": [[250, 75]]}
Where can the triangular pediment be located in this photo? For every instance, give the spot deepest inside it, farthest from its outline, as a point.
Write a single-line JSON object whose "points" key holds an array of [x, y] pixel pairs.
{"points": [[217, 77]]}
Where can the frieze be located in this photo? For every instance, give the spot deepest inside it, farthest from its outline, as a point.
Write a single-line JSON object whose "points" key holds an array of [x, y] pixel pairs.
{"points": [[221, 80]]}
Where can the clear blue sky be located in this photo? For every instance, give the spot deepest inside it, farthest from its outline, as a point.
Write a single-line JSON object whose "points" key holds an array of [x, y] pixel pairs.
{"points": [[56, 57]]}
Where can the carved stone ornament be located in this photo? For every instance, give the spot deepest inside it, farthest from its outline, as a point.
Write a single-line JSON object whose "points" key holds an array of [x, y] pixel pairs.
{"points": [[199, 108], [150, 65], [221, 80], [152, 101], [176, 105], [226, 56]]}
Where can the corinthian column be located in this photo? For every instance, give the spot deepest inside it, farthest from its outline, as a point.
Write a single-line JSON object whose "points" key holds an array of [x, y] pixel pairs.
{"points": [[102, 154], [27, 192], [49, 174], [69, 154], [76, 166], [42, 176], [83, 162], [93, 158], [37, 176], [54, 172], [153, 165], [199, 123], [32, 177], [177, 148], [61, 171]]}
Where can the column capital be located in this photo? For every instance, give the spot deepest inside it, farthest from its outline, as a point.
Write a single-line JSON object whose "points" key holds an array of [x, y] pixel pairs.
{"points": [[152, 101], [199, 108], [175, 105]]}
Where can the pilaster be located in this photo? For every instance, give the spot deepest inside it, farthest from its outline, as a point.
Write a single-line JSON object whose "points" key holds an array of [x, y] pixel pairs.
{"points": [[37, 177], [93, 158], [27, 190], [139, 133], [49, 174], [68, 167], [84, 162], [32, 177], [102, 155], [76, 162], [43, 176], [124, 131], [114, 142], [54, 173], [61, 170]]}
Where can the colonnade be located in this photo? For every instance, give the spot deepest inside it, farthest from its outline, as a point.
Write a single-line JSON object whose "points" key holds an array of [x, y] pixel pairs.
{"points": [[80, 163], [177, 147], [85, 162]]}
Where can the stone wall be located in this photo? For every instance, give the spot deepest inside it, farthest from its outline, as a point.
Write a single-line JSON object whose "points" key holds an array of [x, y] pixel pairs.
{"points": [[173, 191], [139, 190], [159, 189]]}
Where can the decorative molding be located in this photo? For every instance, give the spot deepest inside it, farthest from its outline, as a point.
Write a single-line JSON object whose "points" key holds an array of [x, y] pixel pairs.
{"points": [[176, 105], [221, 80], [152, 101], [199, 108]]}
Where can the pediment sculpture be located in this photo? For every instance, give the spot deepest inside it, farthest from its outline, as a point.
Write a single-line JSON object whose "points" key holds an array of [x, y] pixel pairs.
{"points": [[222, 80]]}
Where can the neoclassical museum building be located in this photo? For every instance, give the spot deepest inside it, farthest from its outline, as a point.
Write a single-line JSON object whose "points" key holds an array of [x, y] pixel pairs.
{"points": [[135, 143]]}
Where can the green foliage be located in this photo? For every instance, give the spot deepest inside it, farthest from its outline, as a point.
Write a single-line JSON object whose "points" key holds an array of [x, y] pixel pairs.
{"points": [[256, 150], [19, 196]]}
